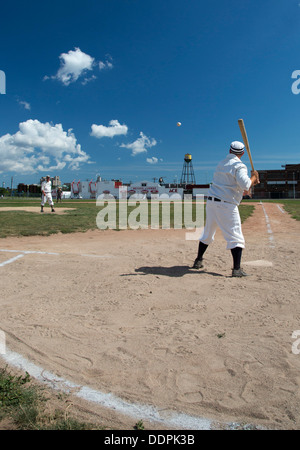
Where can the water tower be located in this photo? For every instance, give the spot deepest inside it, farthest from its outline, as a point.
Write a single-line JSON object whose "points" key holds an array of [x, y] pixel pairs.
{"points": [[187, 176]]}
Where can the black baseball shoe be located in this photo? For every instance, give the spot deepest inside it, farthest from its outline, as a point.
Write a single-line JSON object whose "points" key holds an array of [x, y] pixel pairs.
{"points": [[198, 264], [52, 210], [42, 209], [239, 273]]}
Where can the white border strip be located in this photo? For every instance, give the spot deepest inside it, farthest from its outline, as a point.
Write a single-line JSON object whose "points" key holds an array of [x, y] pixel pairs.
{"points": [[280, 209], [137, 411]]}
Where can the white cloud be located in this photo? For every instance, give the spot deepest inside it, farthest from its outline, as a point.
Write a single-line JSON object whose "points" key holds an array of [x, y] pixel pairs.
{"points": [[39, 147], [76, 64], [114, 129], [26, 105], [86, 80], [107, 64], [73, 64], [140, 145], [152, 160]]}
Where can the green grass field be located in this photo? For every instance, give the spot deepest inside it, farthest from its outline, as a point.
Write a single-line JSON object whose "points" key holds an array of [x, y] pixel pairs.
{"points": [[291, 206], [83, 217], [25, 406]]}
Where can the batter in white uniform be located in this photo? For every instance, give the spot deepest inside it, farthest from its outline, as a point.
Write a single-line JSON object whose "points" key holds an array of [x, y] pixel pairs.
{"points": [[229, 184], [46, 189]]}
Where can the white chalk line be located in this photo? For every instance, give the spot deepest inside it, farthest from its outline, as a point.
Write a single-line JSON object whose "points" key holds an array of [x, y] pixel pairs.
{"points": [[26, 252], [32, 252], [280, 209], [9, 261], [269, 229], [110, 401]]}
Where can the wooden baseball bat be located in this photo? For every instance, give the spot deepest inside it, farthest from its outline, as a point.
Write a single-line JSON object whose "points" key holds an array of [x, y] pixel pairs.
{"points": [[245, 139]]}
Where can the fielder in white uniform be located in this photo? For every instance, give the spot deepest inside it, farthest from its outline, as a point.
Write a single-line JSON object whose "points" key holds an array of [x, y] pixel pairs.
{"points": [[46, 189], [230, 183]]}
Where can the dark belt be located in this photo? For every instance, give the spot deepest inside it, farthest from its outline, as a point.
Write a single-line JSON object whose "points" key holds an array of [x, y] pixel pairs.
{"points": [[218, 200], [214, 199]]}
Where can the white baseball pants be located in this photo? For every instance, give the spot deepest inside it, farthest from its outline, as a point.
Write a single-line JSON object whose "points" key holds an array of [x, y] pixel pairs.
{"points": [[47, 198], [226, 216]]}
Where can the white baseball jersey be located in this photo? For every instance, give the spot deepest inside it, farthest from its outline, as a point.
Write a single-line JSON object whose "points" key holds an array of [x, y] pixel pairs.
{"points": [[47, 187], [230, 180]]}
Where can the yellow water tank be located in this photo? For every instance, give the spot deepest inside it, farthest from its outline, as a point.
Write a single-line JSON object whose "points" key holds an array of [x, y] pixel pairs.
{"points": [[188, 157]]}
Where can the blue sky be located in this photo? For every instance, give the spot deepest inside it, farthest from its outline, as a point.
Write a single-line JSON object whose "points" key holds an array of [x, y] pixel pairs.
{"points": [[97, 87]]}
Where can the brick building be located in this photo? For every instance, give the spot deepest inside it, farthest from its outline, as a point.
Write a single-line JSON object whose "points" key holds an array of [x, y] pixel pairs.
{"points": [[283, 183]]}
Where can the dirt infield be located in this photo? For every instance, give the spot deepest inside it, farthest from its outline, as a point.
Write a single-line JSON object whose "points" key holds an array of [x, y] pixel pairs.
{"points": [[123, 313]]}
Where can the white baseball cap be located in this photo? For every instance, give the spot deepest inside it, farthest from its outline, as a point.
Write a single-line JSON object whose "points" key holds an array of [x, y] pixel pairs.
{"points": [[237, 147]]}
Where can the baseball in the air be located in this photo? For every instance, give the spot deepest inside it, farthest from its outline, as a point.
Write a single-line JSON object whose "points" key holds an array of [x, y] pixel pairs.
{"points": [[179, 124]]}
